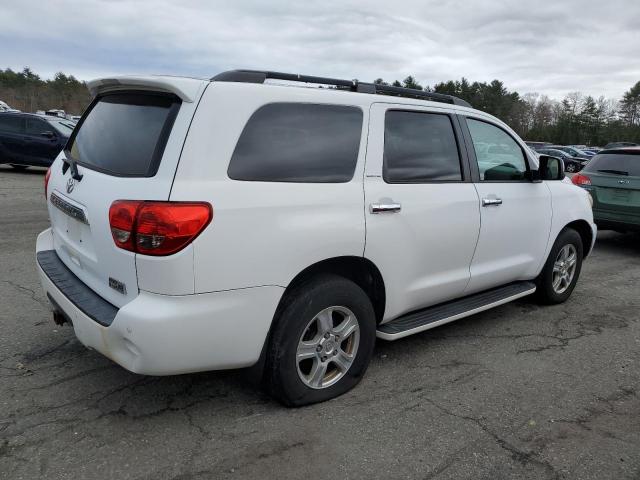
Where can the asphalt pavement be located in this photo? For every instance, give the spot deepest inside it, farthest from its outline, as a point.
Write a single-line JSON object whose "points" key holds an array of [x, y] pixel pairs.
{"points": [[521, 391]]}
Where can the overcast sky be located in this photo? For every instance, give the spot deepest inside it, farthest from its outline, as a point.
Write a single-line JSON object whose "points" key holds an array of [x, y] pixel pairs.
{"points": [[551, 47]]}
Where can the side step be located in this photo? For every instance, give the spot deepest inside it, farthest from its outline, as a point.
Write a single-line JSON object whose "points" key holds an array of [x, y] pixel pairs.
{"points": [[448, 312]]}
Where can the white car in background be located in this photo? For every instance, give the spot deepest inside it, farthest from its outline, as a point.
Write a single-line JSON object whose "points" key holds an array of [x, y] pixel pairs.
{"points": [[225, 223], [6, 108]]}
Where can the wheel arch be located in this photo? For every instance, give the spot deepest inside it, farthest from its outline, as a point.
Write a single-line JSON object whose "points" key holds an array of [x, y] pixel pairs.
{"points": [[586, 234], [362, 271]]}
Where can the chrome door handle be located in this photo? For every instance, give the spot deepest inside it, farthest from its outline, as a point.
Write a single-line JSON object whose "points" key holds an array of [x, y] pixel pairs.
{"points": [[384, 207], [491, 202]]}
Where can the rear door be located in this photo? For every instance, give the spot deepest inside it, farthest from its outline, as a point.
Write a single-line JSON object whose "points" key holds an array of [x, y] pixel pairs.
{"points": [[41, 141], [422, 211], [127, 146]]}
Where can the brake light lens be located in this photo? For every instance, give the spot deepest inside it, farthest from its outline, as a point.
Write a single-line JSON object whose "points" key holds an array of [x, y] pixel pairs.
{"points": [[46, 181], [580, 179], [157, 228]]}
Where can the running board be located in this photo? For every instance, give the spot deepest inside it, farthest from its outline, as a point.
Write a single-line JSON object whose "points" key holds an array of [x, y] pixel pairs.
{"points": [[448, 312]]}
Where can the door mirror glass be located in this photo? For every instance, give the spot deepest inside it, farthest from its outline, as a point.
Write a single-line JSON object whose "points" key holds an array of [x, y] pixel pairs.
{"points": [[551, 168]]}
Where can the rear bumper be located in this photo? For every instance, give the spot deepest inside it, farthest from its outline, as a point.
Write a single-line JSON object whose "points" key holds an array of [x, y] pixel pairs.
{"points": [[610, 220], [164, 335]]}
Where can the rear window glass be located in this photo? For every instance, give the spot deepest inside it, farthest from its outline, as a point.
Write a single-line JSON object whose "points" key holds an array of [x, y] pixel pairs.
{"points": [[125, 134], [615, 163], [298, 142]]}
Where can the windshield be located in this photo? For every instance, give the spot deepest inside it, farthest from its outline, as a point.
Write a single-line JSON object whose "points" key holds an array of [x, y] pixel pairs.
{"points": [[615, 164], [63, 127]]}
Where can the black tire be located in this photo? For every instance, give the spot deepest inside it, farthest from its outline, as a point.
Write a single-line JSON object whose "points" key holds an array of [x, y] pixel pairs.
{"points": [[545, 292], [19, 167], [300, 307]]}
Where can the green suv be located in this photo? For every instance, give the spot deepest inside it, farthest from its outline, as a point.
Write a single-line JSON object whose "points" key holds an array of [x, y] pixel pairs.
{"points": [[612, 177]]}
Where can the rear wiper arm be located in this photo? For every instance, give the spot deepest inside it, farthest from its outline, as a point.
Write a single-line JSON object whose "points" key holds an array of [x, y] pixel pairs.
{"points": [[615, 172], [71, 163]]}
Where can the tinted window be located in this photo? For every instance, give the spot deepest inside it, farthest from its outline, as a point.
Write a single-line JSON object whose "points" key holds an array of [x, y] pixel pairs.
{"points": [[36, 126], [298, 142], [499, 156], [615, 163], [419, 147], [125, 134], [10, 123]]}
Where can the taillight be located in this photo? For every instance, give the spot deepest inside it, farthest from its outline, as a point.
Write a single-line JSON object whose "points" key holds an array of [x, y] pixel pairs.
{"points": [[157, 228], [580, 179], [46, 181]]}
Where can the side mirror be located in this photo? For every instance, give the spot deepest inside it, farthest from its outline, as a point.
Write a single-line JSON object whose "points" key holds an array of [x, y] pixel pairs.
{"points": [[48, 134], [551, 168]]}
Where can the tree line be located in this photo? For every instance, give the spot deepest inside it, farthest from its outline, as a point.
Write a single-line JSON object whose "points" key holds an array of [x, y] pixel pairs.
{"points": [[576, 119], [28, 92]]}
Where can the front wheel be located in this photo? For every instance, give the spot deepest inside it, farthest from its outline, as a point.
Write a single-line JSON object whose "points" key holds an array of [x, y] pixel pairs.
{"points": [[322, 343], [562, 269]]}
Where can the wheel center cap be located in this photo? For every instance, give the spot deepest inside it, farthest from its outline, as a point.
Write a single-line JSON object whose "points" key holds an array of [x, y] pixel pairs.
{"points": [[329, 345]]}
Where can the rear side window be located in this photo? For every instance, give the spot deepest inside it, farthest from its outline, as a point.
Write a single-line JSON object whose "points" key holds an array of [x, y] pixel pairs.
{"points": [[124, 134], [298, 142], [616, 164], [419, 147], [10, 124]]}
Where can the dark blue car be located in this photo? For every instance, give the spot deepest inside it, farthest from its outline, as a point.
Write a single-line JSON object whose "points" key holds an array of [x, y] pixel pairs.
{"points": [[32, 140]]}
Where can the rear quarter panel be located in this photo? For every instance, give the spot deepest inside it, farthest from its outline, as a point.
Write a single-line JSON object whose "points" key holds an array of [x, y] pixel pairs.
{"points": [[263, 233]]}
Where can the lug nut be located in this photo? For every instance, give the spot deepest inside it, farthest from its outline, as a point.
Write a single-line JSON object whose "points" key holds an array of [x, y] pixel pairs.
{"points": [[319, 348], [327, 335], [335, 352]]}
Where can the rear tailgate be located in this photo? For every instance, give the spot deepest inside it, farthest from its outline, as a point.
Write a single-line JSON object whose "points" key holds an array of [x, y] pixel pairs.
{"points": [[126, 146], [615, 185]]}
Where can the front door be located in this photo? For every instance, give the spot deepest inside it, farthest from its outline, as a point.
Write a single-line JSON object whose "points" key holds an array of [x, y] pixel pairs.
{"points": [[41, 142], [515, 212], [422, 214]]}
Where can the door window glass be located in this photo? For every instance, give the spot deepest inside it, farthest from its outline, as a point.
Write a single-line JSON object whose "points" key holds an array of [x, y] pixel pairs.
{"points": [[499, 156], [419, 147]]}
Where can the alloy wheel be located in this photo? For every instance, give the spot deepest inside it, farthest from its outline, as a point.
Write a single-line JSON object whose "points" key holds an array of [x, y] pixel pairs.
{"points": [[564, 268], [327, 347]]}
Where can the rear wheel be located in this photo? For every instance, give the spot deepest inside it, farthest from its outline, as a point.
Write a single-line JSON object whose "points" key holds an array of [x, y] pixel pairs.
{"points": [[571, 167], [562, 269], [322, 343]]}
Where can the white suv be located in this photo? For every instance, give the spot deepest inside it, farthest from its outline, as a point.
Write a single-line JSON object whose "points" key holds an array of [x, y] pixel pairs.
{"points": [[201, 225]]}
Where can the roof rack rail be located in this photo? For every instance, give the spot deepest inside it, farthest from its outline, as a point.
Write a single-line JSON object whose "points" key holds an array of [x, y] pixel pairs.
{"points": [[260, 76]]}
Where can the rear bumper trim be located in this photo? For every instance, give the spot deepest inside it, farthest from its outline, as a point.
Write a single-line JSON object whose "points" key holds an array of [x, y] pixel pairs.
{"points": [[77, 292]]}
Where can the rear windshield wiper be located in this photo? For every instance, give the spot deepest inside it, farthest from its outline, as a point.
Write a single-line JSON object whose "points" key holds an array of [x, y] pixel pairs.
{"points": [[71, 163], [615, 172]]}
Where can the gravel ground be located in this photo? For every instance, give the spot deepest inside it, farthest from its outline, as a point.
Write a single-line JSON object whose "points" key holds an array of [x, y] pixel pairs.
{"points": [[520, 391]]}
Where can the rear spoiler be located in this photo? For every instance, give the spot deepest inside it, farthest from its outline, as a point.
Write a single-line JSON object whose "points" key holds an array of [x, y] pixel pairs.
{"points": [[185, 88]]}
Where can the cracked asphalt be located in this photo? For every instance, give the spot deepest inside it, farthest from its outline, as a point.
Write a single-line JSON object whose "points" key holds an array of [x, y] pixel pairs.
{"points": [[517, 392]]}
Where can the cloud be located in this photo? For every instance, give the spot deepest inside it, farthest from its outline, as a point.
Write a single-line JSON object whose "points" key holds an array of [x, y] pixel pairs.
{"points": [[546, 47]]}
